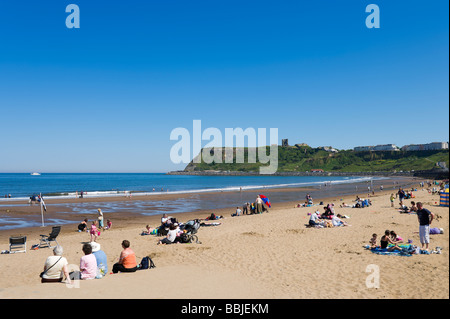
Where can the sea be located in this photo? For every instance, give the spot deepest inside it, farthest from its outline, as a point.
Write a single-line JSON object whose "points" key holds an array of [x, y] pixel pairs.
{"points": [[19, 186]]}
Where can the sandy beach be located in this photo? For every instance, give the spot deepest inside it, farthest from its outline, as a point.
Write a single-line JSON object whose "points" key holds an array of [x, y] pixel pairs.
{"points": [[264, 256]]}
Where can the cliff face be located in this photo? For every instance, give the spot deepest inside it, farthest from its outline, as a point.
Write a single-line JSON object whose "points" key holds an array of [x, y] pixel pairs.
{"points": [[303, 159]]}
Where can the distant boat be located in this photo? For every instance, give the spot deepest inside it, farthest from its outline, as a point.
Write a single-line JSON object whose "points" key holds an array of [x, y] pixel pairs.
{"points": [[35, 174]]}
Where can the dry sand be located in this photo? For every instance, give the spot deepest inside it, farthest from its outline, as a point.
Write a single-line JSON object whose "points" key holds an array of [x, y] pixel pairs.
{"points": [[271, 255]]}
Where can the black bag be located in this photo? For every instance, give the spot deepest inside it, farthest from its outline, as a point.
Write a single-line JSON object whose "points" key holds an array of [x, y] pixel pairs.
{"points": [[146, 263]]}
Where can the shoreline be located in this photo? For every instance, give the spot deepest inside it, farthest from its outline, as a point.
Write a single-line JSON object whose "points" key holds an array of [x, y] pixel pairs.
{"points": [[73, 210]]}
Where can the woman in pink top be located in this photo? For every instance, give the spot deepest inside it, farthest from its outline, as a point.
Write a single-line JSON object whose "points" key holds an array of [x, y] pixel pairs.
{"points": [[88, 265]]}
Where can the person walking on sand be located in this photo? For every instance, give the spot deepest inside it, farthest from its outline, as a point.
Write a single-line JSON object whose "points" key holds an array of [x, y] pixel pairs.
{"points": [[425, 218], [392, 200], [94, 231]]}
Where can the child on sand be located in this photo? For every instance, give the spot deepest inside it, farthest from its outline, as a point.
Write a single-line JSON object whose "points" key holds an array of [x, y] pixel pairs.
{"points": [[108, 224], [94, 231], [392, 200], [373, 241]]}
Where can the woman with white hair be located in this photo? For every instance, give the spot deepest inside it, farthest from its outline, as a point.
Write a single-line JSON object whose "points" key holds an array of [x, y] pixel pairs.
{"points": [[55, 267]]}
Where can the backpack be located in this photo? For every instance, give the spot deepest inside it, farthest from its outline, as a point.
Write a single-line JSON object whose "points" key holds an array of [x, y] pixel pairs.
{"points": [[146, 263]]}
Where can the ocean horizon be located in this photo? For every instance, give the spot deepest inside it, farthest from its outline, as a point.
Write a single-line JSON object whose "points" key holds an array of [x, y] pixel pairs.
{"points": [[15, 186]]}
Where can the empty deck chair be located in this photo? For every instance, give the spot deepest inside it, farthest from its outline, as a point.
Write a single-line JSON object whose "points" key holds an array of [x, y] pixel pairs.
{"points": [[47, 239], [18, 244]]}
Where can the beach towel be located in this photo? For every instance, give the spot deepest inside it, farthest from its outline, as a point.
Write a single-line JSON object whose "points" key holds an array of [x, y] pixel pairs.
{"points": [[407, 250]]}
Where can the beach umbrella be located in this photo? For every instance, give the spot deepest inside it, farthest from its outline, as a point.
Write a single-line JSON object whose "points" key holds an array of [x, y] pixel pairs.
{"points": [[265, 200]]}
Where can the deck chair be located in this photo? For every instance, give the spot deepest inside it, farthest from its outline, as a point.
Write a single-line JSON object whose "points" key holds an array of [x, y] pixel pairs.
{"points": [[47, 239], [18, 244]]}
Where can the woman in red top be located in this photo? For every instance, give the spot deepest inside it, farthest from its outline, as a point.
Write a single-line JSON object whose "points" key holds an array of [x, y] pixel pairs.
{"points": [[127, 260]]}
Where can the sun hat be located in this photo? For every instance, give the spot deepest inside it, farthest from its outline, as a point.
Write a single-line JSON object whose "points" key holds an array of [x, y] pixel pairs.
{"points": [[95, 246]]}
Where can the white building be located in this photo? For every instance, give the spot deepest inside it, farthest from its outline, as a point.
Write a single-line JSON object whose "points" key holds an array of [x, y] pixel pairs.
{"points": [[436, 146], [426, 147], [386, 147]]}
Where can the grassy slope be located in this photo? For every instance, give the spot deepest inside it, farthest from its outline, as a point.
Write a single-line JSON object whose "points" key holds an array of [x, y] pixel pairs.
{"points": [[300, 159]]}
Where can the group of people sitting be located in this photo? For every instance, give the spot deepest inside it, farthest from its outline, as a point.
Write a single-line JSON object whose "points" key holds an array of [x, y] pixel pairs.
{"points": [[408, 210], [327, 219], [93, 264], [173, 231], [257, 207], [389, 237]]}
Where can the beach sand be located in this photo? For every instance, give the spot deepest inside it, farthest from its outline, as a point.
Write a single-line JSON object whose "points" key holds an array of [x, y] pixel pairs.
{"points": [[266, 256]]}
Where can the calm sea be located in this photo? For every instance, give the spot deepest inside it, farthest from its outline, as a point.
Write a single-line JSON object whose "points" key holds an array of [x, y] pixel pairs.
{"points": [[21, 186]]}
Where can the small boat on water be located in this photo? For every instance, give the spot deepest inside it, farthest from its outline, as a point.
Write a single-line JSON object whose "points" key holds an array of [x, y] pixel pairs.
{"points": [[35, 174]]}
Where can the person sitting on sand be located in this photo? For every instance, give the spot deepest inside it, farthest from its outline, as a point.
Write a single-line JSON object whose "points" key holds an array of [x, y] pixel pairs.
{"points": [[171, 235], [395, 238], [88, 265], [100, 257], [314, 219], [127, 260], [83, 225], [237, 213], [373, 241], [328, 213], [55, 267], [165, 220], [108, 224], [386, 240], [413, 207]]}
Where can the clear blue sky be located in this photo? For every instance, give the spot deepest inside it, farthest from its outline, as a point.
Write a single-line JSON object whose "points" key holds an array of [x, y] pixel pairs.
{"points": [[105, 97]]}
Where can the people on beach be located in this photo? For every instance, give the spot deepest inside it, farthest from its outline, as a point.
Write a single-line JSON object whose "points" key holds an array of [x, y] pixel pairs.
{"points": [[392, 199], [395, 238], [108, 224], [166, 220], [100, 219], [386, 240], [171, 235], [100, 257], [314, 219], [94, 231], [336, 221], [246, 209], [238, 212], [259, 205], [413, 207], [148, 231], [55, 267], [401, 196], [127, 260], [88, 265], [83, 225], [425, 218], [373, 241]]}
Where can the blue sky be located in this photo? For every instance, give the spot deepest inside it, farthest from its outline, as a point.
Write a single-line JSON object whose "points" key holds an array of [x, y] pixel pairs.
{"points": [[105, 97]]}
